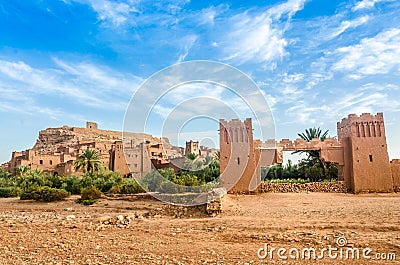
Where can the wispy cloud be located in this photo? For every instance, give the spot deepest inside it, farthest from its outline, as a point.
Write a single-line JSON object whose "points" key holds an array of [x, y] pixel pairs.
{"points": [[112, 13], [86, 84], [348, 24], [366, 4], [188, 42], [376, 55], [258, 36]]}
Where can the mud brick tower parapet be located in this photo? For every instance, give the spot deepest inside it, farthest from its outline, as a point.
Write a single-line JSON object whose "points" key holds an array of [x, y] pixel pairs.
{"points": [[239, 156], [367, 166]]}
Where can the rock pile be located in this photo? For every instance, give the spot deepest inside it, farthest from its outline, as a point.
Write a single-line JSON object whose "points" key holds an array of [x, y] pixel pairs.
{"points": [[121, 221], [214, 201], [335, 187]]}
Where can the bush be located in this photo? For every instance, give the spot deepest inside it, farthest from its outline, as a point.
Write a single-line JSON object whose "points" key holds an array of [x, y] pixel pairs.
{"points": [[89, 196], [46, 194], [130, 186], [32, 193], [87, 202], [72, 184], [91, 193], [7, 192], [52, 194]]}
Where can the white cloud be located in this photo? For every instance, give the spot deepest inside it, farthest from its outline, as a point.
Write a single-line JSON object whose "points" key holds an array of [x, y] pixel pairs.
{"points": [[345, 25], [376, 55], [290, 8], [86, 84], [100, 77], [293, 78], [188, 42], [259, 37], [366, 4], [116, 13]]}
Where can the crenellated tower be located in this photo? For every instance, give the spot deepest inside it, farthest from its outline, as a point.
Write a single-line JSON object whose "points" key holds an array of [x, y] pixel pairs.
{"points": [[366, 166], [239, 156]]}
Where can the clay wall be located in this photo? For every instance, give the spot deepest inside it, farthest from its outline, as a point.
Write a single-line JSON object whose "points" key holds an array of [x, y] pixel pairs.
{"points": [[395, 168], [192, 147], [366, 159], [238, 157]]}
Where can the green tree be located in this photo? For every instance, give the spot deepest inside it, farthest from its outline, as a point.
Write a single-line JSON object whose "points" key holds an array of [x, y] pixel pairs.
{"points": [[313, 164], [22, 170], [89, 161], [217, 156], [192, 156]]}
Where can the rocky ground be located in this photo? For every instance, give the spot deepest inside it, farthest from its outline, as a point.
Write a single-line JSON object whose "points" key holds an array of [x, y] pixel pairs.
{"points": [[133, 230]]}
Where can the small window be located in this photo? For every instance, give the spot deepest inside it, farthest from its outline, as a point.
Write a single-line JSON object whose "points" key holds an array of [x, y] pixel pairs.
{"points": [[238, 159], [51, 162], [370, 158], [41, 162], [135, 165]]}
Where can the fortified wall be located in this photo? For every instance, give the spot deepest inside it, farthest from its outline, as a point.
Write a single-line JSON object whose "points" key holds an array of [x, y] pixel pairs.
{"points": [[360, 152]]}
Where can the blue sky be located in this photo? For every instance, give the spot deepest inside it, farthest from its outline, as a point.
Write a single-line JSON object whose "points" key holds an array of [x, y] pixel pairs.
{"points": [[66, 62]]}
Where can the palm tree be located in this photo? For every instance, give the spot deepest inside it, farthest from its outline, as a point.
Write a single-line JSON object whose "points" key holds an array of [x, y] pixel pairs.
{"points": [[192, 156], [21, 170], [312, 133], [313, 156], [217, 155], [88, 161]]}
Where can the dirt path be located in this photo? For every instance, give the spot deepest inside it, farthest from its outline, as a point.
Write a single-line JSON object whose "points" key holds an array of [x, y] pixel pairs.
{"points": [[146, 231]]}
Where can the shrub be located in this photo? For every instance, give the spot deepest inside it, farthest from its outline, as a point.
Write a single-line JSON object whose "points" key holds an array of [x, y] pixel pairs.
{"points": [[52, 194], [7, 192], [87, 202], [130, 186], [32, 193], [72, 184], [89, 196], [46, 194], [91, 193]]}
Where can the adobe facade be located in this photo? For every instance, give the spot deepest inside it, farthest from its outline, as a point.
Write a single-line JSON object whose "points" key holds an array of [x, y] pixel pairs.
{"points": [[239, 156], [360, 152], [56, 150], [192, 148], [367, 166]]}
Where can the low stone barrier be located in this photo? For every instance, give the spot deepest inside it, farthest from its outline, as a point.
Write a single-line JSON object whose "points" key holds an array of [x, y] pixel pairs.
{"points": [[214, 201], [335, 187]]}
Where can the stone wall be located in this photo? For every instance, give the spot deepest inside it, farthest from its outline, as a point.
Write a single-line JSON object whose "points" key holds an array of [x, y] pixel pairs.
{"points": [[334, 187]]}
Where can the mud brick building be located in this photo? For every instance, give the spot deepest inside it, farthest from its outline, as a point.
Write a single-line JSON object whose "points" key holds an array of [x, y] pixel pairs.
{"points": [[360, 152]]}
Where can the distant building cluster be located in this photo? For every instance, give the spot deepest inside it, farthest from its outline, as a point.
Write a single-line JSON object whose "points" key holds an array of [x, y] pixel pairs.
{"points": [[56, 150]]}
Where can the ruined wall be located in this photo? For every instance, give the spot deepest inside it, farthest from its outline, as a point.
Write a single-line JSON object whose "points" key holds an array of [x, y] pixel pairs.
{"points": [[92, 125], [395, 168], [366, 159]]}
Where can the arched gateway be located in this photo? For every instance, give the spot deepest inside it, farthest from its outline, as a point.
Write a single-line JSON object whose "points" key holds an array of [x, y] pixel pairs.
{"points": [[360, 151]]}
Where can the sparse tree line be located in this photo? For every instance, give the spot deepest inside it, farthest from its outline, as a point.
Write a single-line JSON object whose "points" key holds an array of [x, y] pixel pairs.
{"points": [[35, 184]]}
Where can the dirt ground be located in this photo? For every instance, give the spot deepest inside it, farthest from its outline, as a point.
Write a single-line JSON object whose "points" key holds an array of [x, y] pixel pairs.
{"points": [[133, 230]]}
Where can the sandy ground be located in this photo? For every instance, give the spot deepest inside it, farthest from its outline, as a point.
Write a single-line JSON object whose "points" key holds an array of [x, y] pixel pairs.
{"points": [[150, 232]]}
